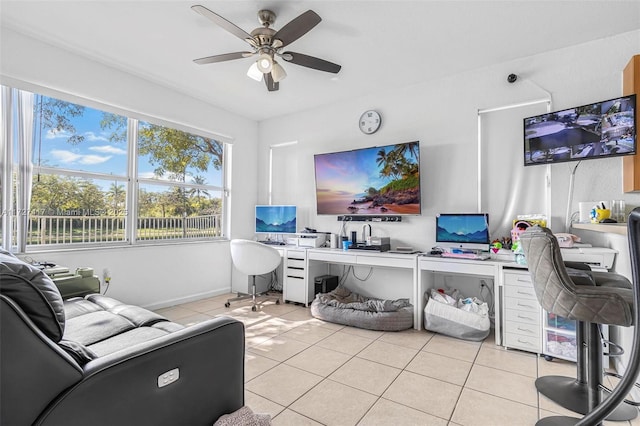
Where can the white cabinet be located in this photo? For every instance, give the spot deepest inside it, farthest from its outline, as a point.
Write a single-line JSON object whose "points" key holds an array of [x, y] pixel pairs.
{"points": [[295, 282], [299, 277], [521, 312]]}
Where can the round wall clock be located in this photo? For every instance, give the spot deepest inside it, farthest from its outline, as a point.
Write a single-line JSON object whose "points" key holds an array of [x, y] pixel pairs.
{"points": [[370, 122]]}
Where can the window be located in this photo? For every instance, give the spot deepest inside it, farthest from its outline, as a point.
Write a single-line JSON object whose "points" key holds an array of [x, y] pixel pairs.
{"points": [[88, 167], [180, 191]]}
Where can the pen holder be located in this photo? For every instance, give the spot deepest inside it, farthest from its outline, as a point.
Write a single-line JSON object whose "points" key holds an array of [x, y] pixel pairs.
{"points": [[599, 214]]}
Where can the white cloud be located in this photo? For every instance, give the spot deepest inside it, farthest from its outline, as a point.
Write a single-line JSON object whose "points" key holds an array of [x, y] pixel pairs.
{"points": [[57, 134], [90, 136], [108, 149], [68, 157]]}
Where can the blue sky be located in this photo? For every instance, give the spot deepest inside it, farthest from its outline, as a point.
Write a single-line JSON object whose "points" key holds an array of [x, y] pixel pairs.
{"points": [[350, 171], [96, 153]]}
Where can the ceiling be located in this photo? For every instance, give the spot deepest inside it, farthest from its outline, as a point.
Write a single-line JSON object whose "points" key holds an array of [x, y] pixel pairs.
{"points": [[381, 45]]}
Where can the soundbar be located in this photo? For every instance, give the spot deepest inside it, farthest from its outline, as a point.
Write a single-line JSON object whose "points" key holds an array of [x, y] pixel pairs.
{"points": [[367, 218]]}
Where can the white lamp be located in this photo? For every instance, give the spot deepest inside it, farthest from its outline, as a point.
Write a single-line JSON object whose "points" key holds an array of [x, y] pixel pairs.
{"points": [[254, 72], [265, 63], [277, 72]]}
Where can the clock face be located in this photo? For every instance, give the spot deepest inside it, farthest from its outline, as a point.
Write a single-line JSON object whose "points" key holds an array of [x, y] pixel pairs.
{"points": [[370, 122]]}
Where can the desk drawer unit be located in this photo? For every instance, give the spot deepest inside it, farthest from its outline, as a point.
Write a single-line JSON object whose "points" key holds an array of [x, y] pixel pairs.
{"points": [[295, 279], [521, 313]]}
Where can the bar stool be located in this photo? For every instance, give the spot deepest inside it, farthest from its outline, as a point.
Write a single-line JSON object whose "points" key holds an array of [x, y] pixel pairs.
{"points": [[603, 301]]}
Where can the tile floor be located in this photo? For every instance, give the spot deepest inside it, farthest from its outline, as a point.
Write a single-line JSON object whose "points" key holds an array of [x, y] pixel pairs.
{"points": [[304, 371]]}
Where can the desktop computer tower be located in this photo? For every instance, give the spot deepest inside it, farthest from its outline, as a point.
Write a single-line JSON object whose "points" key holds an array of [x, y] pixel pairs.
{"points": [[325, 283]]}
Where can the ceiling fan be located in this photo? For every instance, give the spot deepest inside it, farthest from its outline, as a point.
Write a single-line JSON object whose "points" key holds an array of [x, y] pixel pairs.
{"points": [[268, 44]]}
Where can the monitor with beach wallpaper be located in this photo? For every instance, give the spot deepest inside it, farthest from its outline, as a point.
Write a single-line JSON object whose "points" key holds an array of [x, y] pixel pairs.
{"points": [[381, 180]]}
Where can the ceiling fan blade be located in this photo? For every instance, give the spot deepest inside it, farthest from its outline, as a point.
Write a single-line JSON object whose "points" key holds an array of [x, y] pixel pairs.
{"points": [[221, 22], [311, 62], [297, 27], [223, 57], [272, 86]]}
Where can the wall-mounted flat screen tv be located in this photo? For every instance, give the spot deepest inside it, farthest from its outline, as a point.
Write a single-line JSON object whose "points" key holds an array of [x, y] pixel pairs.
{"points": [[463, 231], [598, 130], [381, 180], [276, 219]]}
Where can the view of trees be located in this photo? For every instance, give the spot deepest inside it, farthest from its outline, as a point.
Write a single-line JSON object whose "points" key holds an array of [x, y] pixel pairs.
{"points": [[395, 163], [174, 154]]}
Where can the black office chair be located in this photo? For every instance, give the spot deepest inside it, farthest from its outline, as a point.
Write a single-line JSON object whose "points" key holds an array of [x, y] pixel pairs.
{"points": [[590, 305]]}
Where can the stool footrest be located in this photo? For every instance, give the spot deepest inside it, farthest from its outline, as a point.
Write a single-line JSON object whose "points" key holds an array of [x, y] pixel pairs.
{"points": [[614, 349]]}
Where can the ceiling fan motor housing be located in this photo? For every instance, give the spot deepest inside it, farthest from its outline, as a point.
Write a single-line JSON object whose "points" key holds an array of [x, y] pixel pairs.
{"points": [[263, 36]]}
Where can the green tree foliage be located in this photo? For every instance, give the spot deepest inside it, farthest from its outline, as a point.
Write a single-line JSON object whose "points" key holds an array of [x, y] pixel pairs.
{"points": [[174, 154], [173, 151], [116, 199], [399, 163], [63, 195], [55, 115]]}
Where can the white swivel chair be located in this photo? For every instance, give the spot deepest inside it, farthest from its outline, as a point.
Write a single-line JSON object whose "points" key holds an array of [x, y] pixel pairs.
{"points": [[253, 258]]}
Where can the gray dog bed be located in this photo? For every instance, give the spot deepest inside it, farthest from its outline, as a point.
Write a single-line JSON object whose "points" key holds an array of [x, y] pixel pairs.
{"points": [[342, 306]]}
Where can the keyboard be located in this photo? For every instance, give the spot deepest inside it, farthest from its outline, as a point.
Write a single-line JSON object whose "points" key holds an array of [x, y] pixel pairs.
{"points": [[272, 243], [472, 256]]}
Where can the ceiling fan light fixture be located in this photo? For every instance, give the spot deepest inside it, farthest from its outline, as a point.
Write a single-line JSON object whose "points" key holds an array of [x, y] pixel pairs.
{"points": [[254, 72], [277, 72], [265, 63]]}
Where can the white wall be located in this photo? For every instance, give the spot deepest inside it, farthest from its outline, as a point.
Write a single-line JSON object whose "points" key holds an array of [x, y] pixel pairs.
{"points": [[153, 276], [442, 115], [149, 276]]}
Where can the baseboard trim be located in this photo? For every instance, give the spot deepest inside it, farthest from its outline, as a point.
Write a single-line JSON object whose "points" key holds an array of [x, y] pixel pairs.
{"points": [[186, 299]]}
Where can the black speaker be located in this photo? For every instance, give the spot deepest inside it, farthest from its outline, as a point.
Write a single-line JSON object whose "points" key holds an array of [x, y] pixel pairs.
{"points": [[325, 283]]}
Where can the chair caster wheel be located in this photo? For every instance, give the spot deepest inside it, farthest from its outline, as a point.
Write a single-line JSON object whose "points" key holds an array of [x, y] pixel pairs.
{"points": [[253, 308], [226, 305], [278, 302]]}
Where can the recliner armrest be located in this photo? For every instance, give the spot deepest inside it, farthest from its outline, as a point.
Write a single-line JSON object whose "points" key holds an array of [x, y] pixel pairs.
{"points": [[209, 357]]}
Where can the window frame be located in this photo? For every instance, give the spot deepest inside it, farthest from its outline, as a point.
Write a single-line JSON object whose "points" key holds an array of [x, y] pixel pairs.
{"points": [[12, 142]]}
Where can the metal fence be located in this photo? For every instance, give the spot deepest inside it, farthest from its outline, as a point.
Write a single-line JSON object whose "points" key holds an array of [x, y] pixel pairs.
{"points": [[96, 229]]}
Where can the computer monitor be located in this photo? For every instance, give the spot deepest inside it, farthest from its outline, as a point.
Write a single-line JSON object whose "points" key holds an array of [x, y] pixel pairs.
{"points": [[278, 219], [465, 231]]}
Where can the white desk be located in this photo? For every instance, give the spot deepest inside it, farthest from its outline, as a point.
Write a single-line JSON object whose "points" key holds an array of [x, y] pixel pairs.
{"points": [[372, 259], [493, 269], [306, 263]]}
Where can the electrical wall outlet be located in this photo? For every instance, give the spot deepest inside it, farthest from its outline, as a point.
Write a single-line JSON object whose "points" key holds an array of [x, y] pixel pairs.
{"points": [[106, 275]]}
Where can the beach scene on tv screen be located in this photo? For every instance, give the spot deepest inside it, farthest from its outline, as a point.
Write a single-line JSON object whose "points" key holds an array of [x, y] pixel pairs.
{"points": [[271, 219], [591, 131], [377, 180]]}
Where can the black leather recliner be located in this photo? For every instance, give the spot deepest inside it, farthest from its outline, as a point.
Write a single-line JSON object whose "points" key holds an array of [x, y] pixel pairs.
{"points": [[97, 361]]}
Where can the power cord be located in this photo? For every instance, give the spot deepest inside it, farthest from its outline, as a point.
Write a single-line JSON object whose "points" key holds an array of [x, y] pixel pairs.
{"points": [[106, 276], [353, 272]]}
